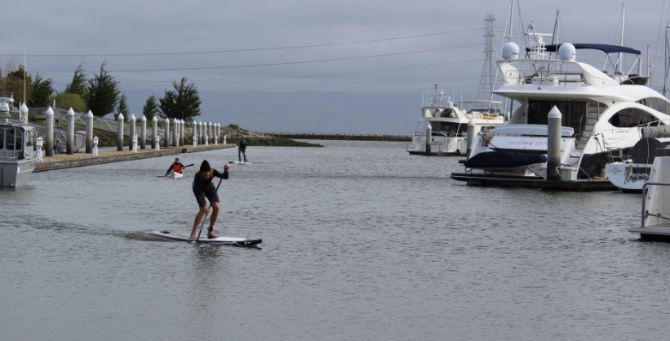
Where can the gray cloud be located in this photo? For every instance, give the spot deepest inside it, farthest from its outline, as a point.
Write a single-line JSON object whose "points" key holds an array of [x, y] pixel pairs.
{"points": [[353, 93]]}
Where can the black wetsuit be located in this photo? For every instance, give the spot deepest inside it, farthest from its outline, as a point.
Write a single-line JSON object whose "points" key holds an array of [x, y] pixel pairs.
{"points": [[242, 150], [204, 188]]}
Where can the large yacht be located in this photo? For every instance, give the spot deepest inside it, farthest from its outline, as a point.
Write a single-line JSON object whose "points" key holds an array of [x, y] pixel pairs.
{"points": [[16, 147], [447, 125], [602, 114]]}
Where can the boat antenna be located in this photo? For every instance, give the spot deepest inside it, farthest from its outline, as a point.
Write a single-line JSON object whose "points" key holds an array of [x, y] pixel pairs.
{"points": [[25, 71], [666, 58]]}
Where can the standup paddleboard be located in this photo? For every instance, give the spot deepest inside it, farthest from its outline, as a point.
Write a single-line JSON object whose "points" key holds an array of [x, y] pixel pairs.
{"points": [[181, 237], [240, 163]]}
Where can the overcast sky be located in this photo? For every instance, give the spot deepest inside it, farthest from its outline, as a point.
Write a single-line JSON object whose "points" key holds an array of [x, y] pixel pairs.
{"points": [[301, 65]]}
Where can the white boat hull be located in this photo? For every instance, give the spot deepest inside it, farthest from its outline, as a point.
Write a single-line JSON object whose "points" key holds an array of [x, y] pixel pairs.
{"points": [[15, 173], [628, 176]]}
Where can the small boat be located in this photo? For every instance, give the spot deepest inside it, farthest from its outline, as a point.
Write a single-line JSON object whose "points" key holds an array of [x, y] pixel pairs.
{"points": [[17, 160], [176, 175], [655, 219], [447, 125], [632, 174]]}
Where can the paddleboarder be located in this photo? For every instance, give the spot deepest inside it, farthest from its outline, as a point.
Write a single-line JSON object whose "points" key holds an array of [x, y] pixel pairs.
{"points": [[203, 188], [242, 150], [176, 167]]}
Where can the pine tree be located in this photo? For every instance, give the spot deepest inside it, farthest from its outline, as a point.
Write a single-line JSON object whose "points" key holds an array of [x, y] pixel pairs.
{"points": [[102, 93], [150, 108], [42, 90], [122, 108], [78, 84], [183, 102]]}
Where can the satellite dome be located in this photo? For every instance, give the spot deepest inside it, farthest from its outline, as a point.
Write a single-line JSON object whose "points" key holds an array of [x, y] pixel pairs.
{"points": [[567, 52], [510, 51]]}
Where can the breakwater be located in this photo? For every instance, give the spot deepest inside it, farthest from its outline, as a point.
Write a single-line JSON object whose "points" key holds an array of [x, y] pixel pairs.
{"points": [[353, 137]]}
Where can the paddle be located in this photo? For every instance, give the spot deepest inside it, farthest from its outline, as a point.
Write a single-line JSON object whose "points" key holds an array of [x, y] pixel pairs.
{"points": [[205, 218]]}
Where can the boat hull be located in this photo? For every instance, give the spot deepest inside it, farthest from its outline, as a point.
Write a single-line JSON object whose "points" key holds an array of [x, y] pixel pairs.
{"points": [[15, 173]]}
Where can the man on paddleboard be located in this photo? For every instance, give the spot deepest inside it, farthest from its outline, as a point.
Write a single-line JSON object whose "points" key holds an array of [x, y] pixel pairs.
{"points": [[176, 167], [242, 150], [203, 188]]}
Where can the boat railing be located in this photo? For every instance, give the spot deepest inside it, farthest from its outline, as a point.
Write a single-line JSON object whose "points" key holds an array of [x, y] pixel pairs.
{"points": [[645, 189]]}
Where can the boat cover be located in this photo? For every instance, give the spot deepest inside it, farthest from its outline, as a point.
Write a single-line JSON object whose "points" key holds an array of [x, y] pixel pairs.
{"points": [[504, 159], [659, 131]]}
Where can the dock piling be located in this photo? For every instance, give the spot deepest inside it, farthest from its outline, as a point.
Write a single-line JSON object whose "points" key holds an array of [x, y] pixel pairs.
{"points": [[69, 132], [554, 144], [89, 131], [132, 134], [143, 132], [154, 133], [119, 132], [49, 127]]}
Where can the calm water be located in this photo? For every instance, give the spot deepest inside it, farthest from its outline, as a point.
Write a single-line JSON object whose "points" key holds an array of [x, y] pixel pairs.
{"points": [[361, 242]]}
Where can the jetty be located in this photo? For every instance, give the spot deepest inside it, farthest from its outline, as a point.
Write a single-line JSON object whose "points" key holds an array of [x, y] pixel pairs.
{"points": [[107, 155], [350, 137]]}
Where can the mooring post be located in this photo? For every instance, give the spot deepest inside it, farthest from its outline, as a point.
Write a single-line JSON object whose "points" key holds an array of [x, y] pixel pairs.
{"points": [[166, 136], [154, 133], [175, 133], [429, 136], [95, 146], [69, 132], [119, 132], [49, 127], [554, 144], [470, 136], [23, 112], [38, 148], [89, 132], [194, 133], [206, 125], [131, 134], [225, 137], [143, 132]]}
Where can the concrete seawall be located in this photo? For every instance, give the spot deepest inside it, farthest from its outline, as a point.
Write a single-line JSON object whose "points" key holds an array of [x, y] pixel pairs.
{"points": [[62, 161]]}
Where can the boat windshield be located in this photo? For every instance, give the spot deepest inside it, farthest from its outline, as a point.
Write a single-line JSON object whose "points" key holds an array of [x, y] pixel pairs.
{"points": [[2, 138], [574, 113]]}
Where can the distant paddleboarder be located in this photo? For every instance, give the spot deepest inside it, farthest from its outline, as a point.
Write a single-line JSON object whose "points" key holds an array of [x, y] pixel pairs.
{"points": [[242, 150], [203, 188]]}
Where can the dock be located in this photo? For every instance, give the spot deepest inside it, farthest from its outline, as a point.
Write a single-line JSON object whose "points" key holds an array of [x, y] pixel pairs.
{"points": [[62, 161], [349, 137], [533, 182]]}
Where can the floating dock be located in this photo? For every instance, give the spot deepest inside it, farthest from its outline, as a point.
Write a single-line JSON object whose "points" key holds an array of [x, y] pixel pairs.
{"points": [[533, 182]]}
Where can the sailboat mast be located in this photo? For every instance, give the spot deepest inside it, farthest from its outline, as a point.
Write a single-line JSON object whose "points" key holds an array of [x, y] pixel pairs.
{"points": [[666, 59], [619, 65]]}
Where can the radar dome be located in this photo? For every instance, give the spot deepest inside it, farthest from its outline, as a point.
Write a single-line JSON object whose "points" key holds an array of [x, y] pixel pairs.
{"points": [[510, 51], [567, 52]]}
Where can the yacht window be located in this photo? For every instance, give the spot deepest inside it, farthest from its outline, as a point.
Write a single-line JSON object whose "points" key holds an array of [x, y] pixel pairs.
{"points": [[10, 139], [658, 104], [19, 141], [2, 138], [574, 113], [633, 117], [451, 129]]}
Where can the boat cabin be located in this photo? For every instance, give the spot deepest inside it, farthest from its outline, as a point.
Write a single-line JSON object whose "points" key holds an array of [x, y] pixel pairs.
{"points": [[16, 142]]}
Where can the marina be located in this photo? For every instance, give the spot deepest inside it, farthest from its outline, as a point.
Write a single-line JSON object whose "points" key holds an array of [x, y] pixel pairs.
{"points": [[296, 172]]}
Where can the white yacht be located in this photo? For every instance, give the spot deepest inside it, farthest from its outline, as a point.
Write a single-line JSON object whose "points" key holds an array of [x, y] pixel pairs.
{"points": [[601, 114], [655, 219], [16, 148], [447, 125]]}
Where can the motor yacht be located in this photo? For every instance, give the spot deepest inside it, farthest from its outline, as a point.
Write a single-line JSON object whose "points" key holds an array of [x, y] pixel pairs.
{"points": [[16, 147], [602, 113]]}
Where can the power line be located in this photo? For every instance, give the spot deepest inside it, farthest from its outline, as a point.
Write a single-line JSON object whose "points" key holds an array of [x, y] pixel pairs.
{"points": [[256, 49]]}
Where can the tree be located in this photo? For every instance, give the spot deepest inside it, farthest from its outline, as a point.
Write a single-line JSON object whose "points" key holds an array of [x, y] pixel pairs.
{"points": [[102, 93], [183, 102], [14, 83], [70, 100], [150, 108], [42, 90], [78, 84], [122, 108]]}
